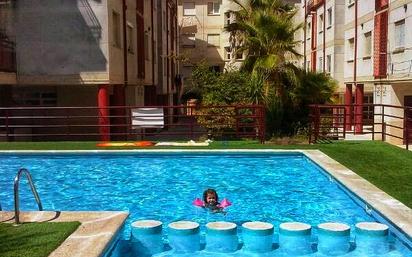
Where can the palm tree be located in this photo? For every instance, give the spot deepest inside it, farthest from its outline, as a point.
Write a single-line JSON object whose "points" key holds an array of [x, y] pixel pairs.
{"points": [[264, 29]]}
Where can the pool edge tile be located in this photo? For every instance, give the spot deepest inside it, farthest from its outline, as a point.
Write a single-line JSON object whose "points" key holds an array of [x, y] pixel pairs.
{"points": [[92, 237]]}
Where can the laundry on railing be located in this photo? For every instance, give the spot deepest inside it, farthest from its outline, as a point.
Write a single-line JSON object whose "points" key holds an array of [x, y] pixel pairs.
{"points": [[147, 118]]}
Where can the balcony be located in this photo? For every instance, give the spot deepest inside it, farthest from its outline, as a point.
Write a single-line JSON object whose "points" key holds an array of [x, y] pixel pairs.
{"points": [[7, 55], [312, 5]]}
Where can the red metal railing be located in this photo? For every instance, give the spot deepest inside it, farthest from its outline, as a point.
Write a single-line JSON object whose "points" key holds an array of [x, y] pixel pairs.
{"points": [[384, 122], [130, 123]]}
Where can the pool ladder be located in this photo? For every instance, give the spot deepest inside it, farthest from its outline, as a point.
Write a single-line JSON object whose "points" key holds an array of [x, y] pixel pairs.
{"points": [[16, 193]]}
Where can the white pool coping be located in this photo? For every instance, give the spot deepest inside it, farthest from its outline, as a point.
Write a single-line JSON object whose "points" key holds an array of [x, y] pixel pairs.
{"points": [[92, 238], [391, 209]]}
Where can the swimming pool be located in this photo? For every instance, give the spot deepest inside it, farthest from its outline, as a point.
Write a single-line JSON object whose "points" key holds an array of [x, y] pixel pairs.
{"points": [[267, 187]]}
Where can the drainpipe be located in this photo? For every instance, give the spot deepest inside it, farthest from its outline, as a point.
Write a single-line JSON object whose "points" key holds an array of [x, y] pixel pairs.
{"points": [[125, 77], [358, 88], [314, 40], [167, 53], [153, 43], [304, 37], [324, 36], [355, 61]]}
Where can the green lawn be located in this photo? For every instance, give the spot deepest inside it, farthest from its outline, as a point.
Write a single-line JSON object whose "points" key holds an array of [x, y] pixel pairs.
{"points": [[385, 165], [33, 239]]}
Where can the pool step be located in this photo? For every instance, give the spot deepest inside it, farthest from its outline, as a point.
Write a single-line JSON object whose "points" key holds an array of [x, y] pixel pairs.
{"points": [[294, 237], [184, 236], [221, 237], [257, 236], [333, 238], [147, 237], [372, 237]]}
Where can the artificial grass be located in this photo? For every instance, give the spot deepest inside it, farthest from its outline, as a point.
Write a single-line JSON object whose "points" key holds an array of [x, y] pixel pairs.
{"points": [[33, 239], [384, 165]]}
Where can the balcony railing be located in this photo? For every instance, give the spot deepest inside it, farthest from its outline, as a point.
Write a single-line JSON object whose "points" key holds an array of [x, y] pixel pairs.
{"points": [[7, 55], [311, 5]]}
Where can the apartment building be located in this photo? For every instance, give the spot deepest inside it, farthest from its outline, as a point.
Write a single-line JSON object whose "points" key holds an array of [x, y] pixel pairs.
{"points": [[378, 62], [367, 48], [159, 38], [88, 53], [202, 35], [323, 44]]}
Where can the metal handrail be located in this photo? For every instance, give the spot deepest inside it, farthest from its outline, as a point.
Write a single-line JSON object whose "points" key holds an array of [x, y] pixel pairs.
{"points": [[16, 193]]}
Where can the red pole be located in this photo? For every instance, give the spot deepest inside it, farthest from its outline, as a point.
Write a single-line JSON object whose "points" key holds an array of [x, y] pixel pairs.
{"points": [[407, 128], [317, 123], [344, 123], [310, 124], [104, 121], [359, 109], [348, 107], [263, 123]]}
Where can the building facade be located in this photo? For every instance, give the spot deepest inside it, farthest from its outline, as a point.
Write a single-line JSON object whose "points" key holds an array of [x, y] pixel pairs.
{"points": [[323, 42], [366, 46], [88, 53], [203, 37], [69, 53]]}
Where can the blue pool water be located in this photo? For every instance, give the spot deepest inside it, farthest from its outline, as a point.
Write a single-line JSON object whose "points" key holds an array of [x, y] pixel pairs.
{"points": [[274, 188]]}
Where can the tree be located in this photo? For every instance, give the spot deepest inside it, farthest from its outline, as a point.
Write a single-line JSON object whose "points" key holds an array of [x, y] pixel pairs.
{"points": [[265, 30]]}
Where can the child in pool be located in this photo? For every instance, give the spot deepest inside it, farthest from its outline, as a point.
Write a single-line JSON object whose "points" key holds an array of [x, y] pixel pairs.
{"points": [[211, 201]]}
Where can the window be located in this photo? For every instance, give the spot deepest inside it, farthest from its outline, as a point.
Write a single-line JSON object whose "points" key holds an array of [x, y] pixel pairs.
{"points": [[367, 49], [189, 9], [130, 38], [350, 52], [146, 47], [215, 68], [320, 23], [239, 55], [308, 30], [164, 60], [368, 109], [164, 21], [320, 64], [400, 34], [329, 17], [308, 66], [116, 29], [189, 40], [213, 40], [213, 8], [39, 97], [228, 53], [328, 63], [228, 20]]}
